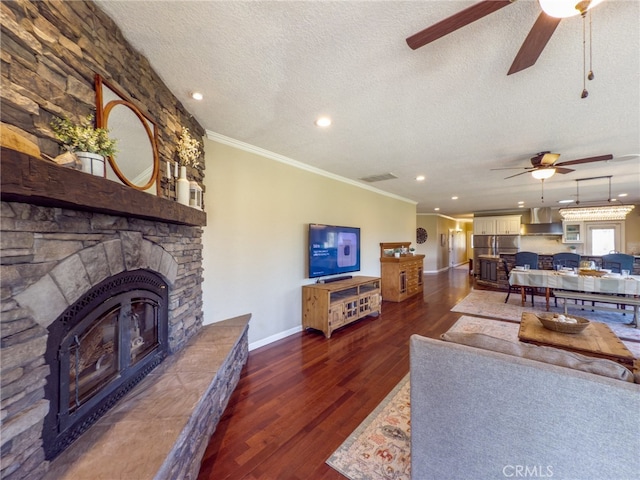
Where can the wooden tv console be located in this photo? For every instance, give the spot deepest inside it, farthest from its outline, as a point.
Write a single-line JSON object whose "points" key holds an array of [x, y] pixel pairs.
{"points": [[329, 306]]}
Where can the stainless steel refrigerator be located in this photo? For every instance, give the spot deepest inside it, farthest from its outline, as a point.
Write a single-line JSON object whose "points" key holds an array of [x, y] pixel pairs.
{"points": [[493, 245]]}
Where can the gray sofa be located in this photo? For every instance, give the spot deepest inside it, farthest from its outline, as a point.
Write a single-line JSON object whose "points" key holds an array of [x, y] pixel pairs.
{"points": [[480, 414]]}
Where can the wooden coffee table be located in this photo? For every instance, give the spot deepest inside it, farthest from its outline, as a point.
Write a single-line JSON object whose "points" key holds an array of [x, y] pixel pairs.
{"points": [[596, 340]]}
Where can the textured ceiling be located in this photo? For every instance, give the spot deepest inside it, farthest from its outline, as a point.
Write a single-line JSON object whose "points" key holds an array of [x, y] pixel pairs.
{"points": [[447, 111]]}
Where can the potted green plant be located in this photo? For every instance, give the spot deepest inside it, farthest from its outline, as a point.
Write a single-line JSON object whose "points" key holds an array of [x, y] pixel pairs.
{"points": [[91, 145], [412, 250], [397, 252]]}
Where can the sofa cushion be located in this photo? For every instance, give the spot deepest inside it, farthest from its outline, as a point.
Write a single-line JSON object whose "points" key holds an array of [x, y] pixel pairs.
{"points": [[555, 356]]}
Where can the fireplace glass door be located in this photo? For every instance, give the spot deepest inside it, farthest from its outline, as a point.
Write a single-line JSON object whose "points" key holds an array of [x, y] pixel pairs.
{"points": [[129, 328]]}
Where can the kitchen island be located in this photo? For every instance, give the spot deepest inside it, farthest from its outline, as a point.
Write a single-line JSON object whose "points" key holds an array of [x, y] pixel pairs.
{"points": [[491, 272]]}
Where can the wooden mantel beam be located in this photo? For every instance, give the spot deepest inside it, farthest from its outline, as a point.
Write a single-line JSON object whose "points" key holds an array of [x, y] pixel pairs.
{"points": [[27, 179]]}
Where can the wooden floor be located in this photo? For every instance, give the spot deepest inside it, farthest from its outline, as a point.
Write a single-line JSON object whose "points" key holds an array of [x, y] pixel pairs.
{"points": [[299, 398]]}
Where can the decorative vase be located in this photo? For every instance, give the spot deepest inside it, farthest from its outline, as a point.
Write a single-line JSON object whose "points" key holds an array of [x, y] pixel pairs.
{"points": [[91, 163], [182, 187]]}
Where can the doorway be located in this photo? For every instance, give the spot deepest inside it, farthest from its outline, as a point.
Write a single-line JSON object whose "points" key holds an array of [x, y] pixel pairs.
{"points": [[457, 247]]}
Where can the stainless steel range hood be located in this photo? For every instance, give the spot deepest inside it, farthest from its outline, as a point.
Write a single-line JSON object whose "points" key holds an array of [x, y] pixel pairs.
{"points": [[541, 223]]}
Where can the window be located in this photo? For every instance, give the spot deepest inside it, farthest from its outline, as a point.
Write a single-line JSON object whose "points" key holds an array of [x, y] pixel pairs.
{"points": [[604, 237]]}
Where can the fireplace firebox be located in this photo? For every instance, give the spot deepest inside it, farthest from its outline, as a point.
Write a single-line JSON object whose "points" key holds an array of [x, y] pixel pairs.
{"points": [[99, 349]]}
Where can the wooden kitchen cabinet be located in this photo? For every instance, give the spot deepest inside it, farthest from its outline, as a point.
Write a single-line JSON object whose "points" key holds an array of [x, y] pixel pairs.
{"points": [[329, 306], [401, 276]]}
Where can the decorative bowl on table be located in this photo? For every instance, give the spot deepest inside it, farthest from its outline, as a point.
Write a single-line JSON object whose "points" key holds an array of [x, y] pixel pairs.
{"points": [[561, 323]]}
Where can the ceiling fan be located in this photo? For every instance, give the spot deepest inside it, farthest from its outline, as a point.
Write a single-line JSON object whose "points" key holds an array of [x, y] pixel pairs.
{"points": [[545, 165], [533, 45]]}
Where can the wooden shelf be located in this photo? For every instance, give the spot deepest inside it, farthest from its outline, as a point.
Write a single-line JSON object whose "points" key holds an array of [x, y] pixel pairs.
{"points": [[27, 179]]}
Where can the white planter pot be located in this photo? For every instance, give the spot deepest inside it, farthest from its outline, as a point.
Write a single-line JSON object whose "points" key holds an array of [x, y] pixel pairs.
{"points": [[182, 187], [91, 163]]}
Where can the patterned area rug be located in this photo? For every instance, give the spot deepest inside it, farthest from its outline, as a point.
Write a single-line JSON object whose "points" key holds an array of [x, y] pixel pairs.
{"points": [[491, 304], [379, 448]]}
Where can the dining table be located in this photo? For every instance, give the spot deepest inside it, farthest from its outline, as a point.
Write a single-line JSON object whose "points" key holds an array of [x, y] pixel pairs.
{"points": [[609, 283]]}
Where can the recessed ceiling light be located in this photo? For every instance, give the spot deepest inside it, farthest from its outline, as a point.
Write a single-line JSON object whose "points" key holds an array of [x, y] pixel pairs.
{"points": [[622, 194], [565, 201], [437, 209], [521, 205], [420, 178], [323, 122], [197, 96], [454, 198], [521, 202]]}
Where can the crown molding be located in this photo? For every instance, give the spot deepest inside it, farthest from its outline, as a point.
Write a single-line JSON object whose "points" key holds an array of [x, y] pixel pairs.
{"points": [[216, 137]]}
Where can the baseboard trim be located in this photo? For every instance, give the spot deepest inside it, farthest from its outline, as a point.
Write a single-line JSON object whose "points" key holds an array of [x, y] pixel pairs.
{"points": [[274, 338]]}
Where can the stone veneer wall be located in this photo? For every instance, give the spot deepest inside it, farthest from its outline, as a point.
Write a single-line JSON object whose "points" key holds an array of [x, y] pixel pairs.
{"points": [[51, 51], [50, 257]]}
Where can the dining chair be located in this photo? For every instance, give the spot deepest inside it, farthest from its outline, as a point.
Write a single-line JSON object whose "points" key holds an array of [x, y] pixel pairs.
{"points": [[565, 259], [527, 258], [616, 262], [513, 287]]}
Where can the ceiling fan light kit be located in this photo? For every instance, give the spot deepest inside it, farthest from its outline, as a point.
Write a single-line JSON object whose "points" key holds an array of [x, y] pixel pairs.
{"points": [[566, 8], [543, 173], [544, 165]]}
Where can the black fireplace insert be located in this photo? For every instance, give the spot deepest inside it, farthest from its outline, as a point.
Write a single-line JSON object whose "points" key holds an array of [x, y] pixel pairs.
{"points": [[99, 349]]}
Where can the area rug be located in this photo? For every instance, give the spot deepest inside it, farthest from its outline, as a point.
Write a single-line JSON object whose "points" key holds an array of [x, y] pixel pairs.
{"points": [[379, 449], [487, 303]]}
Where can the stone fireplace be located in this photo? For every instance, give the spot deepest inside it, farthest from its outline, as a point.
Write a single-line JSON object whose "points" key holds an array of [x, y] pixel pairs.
{"points": [[87, 295], [66, 234]]}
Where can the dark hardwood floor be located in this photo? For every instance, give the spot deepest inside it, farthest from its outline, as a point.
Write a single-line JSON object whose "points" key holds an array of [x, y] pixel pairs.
{"points": [[299, 398]]}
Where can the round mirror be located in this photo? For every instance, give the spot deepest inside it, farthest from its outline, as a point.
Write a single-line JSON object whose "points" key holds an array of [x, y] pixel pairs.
{"points": [[135, 160]]}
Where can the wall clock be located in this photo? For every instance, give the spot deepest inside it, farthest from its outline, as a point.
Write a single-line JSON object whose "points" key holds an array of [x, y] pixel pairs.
{"points": [[421, 235]]}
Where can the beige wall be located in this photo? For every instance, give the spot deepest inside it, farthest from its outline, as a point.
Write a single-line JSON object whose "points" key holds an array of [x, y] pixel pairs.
{"points": [[632, 232], [255, 241]]}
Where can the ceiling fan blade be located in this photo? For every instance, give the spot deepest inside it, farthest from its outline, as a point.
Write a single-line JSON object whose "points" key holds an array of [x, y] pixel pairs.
{"points": [[534, 43], [454, 22], [563, 170], [600, 158], [521, 173]]}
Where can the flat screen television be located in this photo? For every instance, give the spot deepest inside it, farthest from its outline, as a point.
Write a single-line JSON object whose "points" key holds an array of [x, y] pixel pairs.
{"points": [[333, 250]]}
